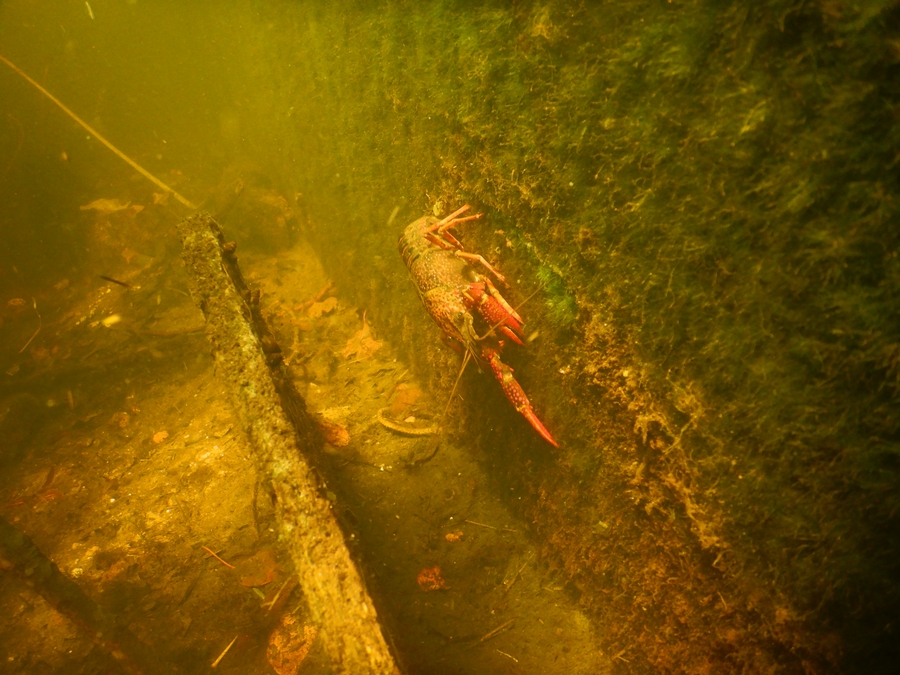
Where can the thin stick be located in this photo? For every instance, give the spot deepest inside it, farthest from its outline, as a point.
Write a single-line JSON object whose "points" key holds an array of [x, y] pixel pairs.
{"points": [[217, 557], [222, 655], [510, 656], [440, 423], [269, 605], [490, 527], [509, 585], [134, 165], [498, 629], [40, 320], [453, 390]]}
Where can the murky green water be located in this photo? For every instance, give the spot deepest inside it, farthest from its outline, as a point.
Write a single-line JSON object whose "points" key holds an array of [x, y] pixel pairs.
{"points": [[694, 205]]}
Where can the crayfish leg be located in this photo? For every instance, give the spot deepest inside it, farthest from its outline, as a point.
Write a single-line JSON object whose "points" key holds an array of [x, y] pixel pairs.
{"points": [[497, 314], [447, 219], [503, 303], [474, 257], [452, 343]]}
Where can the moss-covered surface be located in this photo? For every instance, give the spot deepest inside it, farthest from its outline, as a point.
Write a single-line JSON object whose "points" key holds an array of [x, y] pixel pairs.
{"points": [[706, 195]]}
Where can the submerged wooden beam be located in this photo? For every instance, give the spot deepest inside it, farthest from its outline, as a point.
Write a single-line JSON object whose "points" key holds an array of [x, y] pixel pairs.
{"points": [[280, 432], [19, 555]]}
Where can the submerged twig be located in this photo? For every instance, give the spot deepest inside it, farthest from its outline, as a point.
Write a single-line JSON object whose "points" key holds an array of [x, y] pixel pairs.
{"points": [[499, 629], [116, 281], [269, 605], [508, 584], [40, 321], [212, 553], [134, 165], [222, 655], [509, 656], [490, 527]]}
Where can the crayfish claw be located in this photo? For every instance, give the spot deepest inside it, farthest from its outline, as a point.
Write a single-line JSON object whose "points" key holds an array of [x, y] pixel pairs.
{"points": [[516, 394], [539, 426], [511, 335]]}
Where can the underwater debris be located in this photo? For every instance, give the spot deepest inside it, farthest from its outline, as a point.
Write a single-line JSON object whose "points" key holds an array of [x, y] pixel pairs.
{"points": [[335, 434], [213, 554], [36, 330], [105, 206], [275, 417], [259, 569], [116, 281], [224, 652], [499, 629], [362, 345], [134, 165], [289, 645], [401, 429], [430, 579], [318, 309]]}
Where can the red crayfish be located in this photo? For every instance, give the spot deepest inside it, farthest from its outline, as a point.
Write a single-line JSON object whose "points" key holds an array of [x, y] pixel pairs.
{"points": [[453, 292]]}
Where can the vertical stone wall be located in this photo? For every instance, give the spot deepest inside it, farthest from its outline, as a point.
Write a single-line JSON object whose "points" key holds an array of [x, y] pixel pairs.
{"points": [[705, 194]]}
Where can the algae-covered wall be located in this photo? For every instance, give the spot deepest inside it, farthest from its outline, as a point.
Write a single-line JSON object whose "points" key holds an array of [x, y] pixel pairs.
{"points": [[705, 195]]}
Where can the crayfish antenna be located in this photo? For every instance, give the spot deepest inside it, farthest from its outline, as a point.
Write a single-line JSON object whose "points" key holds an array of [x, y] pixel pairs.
{"points": [[447, 219]]}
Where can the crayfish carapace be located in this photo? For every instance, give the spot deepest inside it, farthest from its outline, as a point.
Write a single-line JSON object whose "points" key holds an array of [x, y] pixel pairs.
{"points": [[453, 292]]}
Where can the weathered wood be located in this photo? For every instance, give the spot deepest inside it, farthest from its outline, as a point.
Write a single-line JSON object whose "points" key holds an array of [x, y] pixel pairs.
{"points": [[275, 420], [19, 555]]}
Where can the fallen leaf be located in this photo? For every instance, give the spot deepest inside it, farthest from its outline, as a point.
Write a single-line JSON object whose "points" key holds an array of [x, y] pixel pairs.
{"points": [[318, 309], [160, 436], [362, 344], [61, 285], [335, 434], [161, 198], [454, 536], [259, 569], [430, 579], [105, 206], [289, 644], [15, 302]]}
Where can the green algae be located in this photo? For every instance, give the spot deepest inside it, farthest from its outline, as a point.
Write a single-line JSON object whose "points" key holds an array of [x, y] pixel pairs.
{"points": [[704, 193]]}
